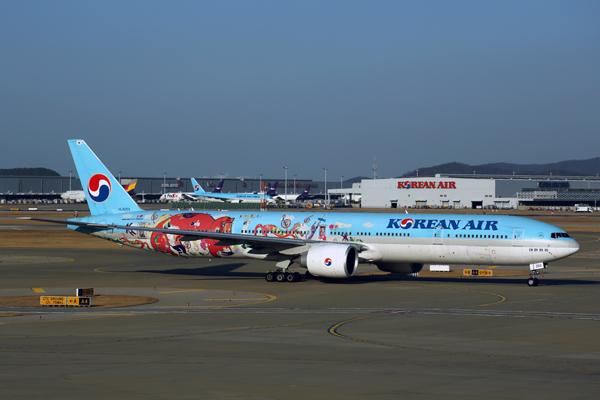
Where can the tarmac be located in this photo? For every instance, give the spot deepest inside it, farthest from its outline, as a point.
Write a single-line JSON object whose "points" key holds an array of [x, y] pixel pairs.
{"points": [[220, 331]]}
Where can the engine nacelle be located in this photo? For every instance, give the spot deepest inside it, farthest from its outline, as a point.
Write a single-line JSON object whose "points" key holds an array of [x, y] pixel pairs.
{"points": [[331, 260], [400, 268]]}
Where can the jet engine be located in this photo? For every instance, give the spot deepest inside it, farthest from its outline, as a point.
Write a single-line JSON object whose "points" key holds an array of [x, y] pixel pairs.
{"points": [[331, 260], [400, 268]]}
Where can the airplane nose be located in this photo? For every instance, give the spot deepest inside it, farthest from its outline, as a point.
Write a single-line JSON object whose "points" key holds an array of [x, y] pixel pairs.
{"points": [[573, 247]]}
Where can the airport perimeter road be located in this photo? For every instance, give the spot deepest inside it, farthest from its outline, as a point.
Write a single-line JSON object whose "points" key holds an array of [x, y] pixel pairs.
{"points": [[241, 337]]}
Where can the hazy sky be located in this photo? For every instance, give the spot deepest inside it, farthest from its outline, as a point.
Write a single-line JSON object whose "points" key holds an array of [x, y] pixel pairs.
{"points": [[199, 88]]}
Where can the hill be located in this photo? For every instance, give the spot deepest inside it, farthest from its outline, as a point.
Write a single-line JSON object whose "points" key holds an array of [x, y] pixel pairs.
{"points": [[28, 172], [589, 167]]}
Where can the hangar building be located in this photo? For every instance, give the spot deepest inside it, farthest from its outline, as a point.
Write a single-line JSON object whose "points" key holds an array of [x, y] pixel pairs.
{"points": [[476, 191]]}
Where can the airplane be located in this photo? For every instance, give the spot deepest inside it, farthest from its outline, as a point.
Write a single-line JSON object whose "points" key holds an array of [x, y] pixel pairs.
{"points": [[198, 189], [272, 191], [292, 197], [200, 194], [130, 187], [76, 195], [326, 244]]}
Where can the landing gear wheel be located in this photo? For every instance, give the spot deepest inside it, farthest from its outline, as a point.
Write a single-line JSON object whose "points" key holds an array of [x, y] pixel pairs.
{"points": [[280, 277], [308, 275], [290, 277], [532, 281], [270, 277], [297, 276]]}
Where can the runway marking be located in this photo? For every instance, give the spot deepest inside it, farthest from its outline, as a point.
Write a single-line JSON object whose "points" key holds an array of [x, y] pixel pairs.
{"points": [[269, 298], [162, 336], [580, 270], [39, 290], [333, 330], [102, 272], [228, 299], [183, 291]]}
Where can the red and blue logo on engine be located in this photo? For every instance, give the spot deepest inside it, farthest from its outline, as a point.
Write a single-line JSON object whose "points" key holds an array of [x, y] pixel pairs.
{"points": [[407, 223], [99, 188], [328, 262]]}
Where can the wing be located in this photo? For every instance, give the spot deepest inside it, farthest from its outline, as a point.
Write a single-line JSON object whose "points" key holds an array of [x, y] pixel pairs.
{"points": [[224, 239]]}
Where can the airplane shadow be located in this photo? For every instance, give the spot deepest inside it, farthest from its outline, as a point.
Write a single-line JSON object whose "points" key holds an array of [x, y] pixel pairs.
{"points": [[230, 272], [224, 271]]}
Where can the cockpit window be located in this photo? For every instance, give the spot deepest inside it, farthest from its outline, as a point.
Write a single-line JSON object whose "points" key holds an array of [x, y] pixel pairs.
{"points": [[556, 235]]}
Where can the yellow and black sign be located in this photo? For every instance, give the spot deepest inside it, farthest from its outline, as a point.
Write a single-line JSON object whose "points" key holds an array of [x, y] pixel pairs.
{"points": [[53, 300], [85, 292], [79, 301], [477, 272]]}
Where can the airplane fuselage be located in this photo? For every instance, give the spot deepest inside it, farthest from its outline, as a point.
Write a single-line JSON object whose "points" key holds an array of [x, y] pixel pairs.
{"points": [[383, 238]]}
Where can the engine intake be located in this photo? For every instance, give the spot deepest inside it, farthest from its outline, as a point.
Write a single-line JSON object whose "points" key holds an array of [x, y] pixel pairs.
{"points": [[331, 260]]}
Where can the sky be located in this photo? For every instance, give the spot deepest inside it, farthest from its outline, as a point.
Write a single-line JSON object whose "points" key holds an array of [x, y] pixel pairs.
{"points": [[243, 88]]}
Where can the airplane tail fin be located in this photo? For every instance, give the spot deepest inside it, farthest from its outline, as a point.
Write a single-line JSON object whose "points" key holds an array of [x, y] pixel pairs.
{"points": [[103, 192], [273, 190], [130, 187], [304, 194], [219, 187], [197, 188]]}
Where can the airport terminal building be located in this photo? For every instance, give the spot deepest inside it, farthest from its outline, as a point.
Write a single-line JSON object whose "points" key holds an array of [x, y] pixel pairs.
{"points": [[476, 191]]}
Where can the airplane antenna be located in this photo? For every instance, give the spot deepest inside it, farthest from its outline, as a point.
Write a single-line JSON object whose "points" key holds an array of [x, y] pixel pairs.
{"points": [[375, 166]]}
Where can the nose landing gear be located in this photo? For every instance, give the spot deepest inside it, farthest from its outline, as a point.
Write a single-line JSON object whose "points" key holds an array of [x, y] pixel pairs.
{"points": [[533, 281]]}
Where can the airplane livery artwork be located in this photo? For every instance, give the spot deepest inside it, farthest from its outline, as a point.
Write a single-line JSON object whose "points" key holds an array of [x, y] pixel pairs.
{"points": [[326, 244]]}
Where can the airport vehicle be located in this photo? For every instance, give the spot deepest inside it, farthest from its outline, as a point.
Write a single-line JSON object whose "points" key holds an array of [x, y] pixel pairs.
{"points": [[200, 194], [327, 244], [583, 208]]}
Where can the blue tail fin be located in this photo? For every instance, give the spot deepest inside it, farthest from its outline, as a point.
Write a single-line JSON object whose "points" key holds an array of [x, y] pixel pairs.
{"points": [[103, 193], [197, 188]]}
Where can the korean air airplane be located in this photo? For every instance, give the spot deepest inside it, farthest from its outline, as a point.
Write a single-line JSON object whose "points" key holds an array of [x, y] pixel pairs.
{"points": [[200, 194], [198, 189], [326, 244]]}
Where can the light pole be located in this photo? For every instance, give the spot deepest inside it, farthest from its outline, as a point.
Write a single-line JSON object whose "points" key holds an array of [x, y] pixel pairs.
{"points": [[341, 180], [326, 201], [70, 172], [164, 182], [285, 201], [120, 178]]}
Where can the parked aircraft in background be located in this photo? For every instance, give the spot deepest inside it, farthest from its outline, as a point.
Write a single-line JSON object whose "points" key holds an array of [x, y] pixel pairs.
{"points": [[327, 244], [200, 194], [74, 195], [292, 197], [130, 187]]}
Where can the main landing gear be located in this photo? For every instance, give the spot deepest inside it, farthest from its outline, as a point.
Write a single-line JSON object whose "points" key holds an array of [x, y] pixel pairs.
{"points": [[283, 276]]}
